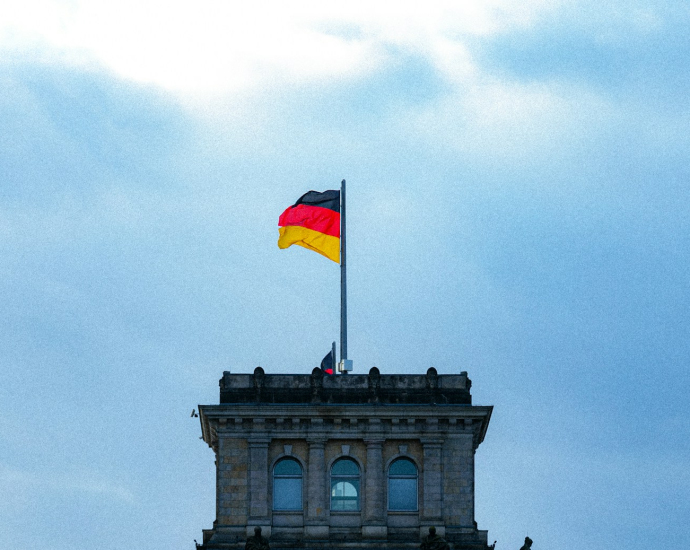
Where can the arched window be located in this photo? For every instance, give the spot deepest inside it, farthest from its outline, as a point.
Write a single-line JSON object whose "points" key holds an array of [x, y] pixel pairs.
{"points": [[402, 485], [345, 485], [287, 485]]}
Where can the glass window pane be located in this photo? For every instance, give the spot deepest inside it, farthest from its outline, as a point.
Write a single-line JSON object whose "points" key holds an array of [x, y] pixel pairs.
{"points": [[345, 485], [341, 505], [344, 489], [345, 466], [288, 466], [402, 494], [287, 493], [403, 467], [345, 495]]}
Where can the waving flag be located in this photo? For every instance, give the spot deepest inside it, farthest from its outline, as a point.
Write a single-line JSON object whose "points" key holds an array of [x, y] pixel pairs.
{"points": [[328, 363], [314, 223]]}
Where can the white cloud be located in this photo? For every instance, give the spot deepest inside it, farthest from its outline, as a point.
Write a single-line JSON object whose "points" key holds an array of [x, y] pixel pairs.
{"points": [[213, 48], [217, 46]]}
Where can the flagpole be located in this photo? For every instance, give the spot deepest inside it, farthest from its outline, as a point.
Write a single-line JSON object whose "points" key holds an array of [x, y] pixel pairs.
{"points": [[343, 278]]}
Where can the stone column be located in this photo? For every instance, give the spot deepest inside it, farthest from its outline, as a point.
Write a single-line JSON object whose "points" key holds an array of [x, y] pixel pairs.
{"points": [[374, 525], [432, 500], [316, 520], [258, 487]]}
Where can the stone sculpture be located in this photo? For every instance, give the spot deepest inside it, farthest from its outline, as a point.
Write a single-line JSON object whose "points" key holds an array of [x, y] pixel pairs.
{"points": [[527, 545], [257, 542], [434, 542]]}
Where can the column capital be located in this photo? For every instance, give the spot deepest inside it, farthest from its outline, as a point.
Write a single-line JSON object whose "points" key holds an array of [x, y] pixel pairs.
{"points": [[373, 442], [316, 441]]}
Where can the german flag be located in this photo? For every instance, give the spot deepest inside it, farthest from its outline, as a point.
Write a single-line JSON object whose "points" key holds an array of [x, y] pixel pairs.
{"points": [[314, 223]]}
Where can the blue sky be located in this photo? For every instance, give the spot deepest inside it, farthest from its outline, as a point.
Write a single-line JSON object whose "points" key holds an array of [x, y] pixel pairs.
{"points": [[518, 208]]}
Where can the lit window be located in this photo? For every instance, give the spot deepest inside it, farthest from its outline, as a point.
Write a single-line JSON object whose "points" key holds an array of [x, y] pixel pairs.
{"points": [[402, 485], [345, 485], [287, 485]]}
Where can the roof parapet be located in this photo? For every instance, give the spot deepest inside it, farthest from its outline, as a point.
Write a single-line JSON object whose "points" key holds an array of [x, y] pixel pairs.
{"points": [[372, 388]]}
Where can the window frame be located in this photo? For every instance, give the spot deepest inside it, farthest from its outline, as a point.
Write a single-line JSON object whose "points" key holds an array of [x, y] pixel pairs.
{"points": [[281, 477], [345, 478], [394, 477]]}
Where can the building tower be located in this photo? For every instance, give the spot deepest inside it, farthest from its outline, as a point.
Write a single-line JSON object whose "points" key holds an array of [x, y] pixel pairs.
{"points": [[344, 462]]}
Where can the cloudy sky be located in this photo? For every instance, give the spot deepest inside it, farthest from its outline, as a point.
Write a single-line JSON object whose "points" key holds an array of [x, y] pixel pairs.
{"points": [[518, 207]]}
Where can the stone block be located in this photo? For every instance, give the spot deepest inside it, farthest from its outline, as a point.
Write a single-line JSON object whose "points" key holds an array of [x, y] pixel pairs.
{"points": [[319, 532], [374, 532]]}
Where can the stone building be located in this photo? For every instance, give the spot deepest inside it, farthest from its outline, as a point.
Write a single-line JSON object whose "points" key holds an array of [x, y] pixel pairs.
{"points": [[347, 461]]}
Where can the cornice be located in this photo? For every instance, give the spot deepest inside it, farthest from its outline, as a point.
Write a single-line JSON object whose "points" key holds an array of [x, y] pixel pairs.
{"points": [[302, 421]]}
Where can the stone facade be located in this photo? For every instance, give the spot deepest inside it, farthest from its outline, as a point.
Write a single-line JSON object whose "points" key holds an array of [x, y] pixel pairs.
{"points": [[425, 423]]}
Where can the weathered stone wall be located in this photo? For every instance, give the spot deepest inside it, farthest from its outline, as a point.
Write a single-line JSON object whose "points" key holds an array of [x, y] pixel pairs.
{"points": [[232, 482], [352, 388], [458, 489]]}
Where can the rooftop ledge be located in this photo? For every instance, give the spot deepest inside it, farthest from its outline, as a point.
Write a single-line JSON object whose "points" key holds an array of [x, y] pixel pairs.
{"points": [[372, 388]]}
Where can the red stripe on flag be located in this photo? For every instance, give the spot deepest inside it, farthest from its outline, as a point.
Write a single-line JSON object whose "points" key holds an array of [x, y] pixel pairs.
{"points": [[315, 218]]}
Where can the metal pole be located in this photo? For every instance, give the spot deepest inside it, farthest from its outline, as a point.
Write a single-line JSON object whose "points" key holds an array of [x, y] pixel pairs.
{"points": [[343, 278]]}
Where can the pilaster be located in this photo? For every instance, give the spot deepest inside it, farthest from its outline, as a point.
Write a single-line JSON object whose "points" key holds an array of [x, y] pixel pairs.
{"points": [[316, 520], [374, 525], [258, 486], [432, 508]]}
